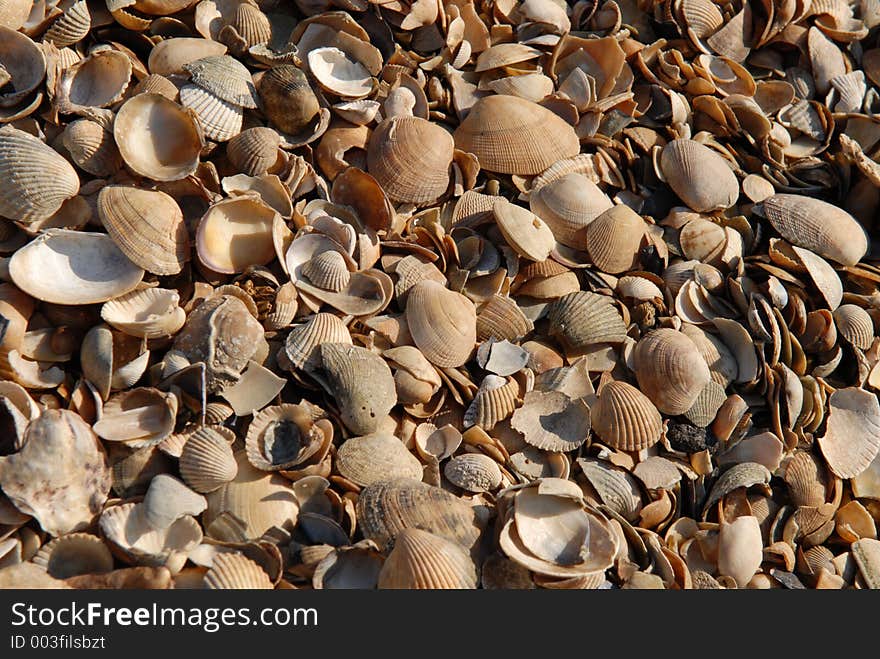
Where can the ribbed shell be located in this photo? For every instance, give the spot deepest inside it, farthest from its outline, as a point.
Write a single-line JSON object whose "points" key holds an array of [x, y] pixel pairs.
{"points": [[583, 319], [371, 458], [723, 366], [251, 24], [552, 421], [410, 158], [92, 148], [473, 472], [855, 325], [626, 419], [424, 561], [494, 401], [36, 179], [502, 319], [707, 404], [217, 413], [818, 226], [327, 270], [361, 384], [156, 84], [72, 26], [699, 176], [670, 370], [807, 480], [510, 135], [226, 77], [219, 119], [287, 98], [74, 554], [443, 323], [234, 571], [206, 461], [568, 205], [147, 225], [303, 342], [147, 313], [254, 151], [613, 239], [702, 17]]}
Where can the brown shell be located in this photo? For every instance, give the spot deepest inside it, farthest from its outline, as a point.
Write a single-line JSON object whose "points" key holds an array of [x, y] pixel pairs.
{"points": [[502, 319], [473, 472], [613, 239], [698, 175], [287, 99], [207, 461], [624, 418], [234, 571], [302, 346], [855, 325], [670, 370], [422, 560], [443, 323], [372, 458], [494, 401], [582, 319], [568, 205], [92, 148], [254, 151]]}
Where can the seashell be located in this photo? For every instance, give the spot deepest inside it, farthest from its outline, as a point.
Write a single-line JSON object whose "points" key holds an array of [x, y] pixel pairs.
{"points": [[624, 418], [613, 239], [818, 226], [707, 404], [826, 60], [158, 138], [510, 135], [505, 54], [855, 325], [339, 74], [282, 437], [552, 421], [169, 56], [149, 313], [722, 364], [359, 113], [378, 457], [302, 346], [502, 319], [386, 508], [73, 267], [327, 270], [702, 240], [615, 488], [443, 323], [740, 549], [60, 476], [74, 554], [745, 474], [823, 276], [254, 151], [168, 499], [207, 461], [361, 383], [410, 158], [494, 401], [236, 233], [112, 360], [415, 378], [23, 62], [92, 148], [38, 179], [234, 571], [287, 99], [473, 472], [699, 176], [530, 86], [439, 443], [866, 554], [147, 226], [347, 567], [582, 319], [568, 205], [140, 417], [224, 77], [670, 370], [524, 231], [424, 561], [156, 84], [98, 81], [852, 434], [250, 26], [219, 119]]}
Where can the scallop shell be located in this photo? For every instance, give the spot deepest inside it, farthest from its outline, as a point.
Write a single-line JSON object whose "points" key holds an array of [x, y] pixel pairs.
{"points": [[75, 554], [670, 370], [92, 147], [473, 472], [410, 158], [207, 461], [510, 135], [158, 138], [852, 435], [699, 176], [552, 421], [624, 418], [225, 77], [524, 231], [219, 119], [73, 267], [234, 571], [613, 239], [422, 560], [302, 346], [149, 313], [582, 319], [287, 99], [568, 205], [254, 151], [282, 437], [443, 323], [494, 401], [372, 458], [339, 74], [98, 81], [327, 270], [38, 180], [147, 225], [236, 233]]}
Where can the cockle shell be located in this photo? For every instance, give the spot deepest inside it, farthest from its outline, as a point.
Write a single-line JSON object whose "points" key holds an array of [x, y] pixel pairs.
{"points": [[140, 417], [339, 74], [855, 325], [624, 418], [613, 239], [24, 64], [287, 99], [207, 461], [236, 233], [670, 370], [582, 319], [281, 437], [302, 346], [552, 421], [473, 472], [92, 148], [494, 401], [73, 25], [225, 77], [422, 560], [98, 81], [74, 554], [443, 323], [234, 571], [377, 457], [254, 151], [170, 55], [568, 205], [220, 120], [698, 175]]}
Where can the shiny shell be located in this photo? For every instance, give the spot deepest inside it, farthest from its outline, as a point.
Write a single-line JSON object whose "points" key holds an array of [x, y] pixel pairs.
{"points": [[372, 458], [670, 370], [98, 81], [443, 323], [568, 205], [207, 461], [339, 74], [613, 239], [699, 176], [624, 418], [473, 472], [422, 560]]}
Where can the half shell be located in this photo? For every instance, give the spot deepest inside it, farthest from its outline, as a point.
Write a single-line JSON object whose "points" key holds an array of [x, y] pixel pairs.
{"points": [[372, 458], [422, 560], [443, 323], [625, 419], [670, 370], [207, 461], [699, 176]]}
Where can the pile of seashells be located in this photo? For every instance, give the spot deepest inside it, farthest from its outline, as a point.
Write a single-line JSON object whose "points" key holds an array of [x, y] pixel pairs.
{"points": [[439, 294]]}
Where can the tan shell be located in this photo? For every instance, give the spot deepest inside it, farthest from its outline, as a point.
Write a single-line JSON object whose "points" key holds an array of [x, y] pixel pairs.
{"points": [[156, 84], [410, 158], [494, 401], [613, 239], [615, 488], [510, 135], [502, 319], [699, 176], [168, 499], [225, 77], [207, 461], [707, 404], [582, 319], [818, 226], [98, 81], [524, 231], [254, 151], [327, 270], [147, 225], [92, 148], [568, 205], [624, 418], [158, 138], [552, 421], [236, 233], [149, 313], [361, 383], [670, 370], [722, 364], [386, 508], [302, 347], [287, 99], [422, 560], [170, 55], [234, 571], [473, 472], [281, 437], [73, 267], [866, 554], [220, 120], [140, 417], [74, 554], [339, 74], [855, 325], [37, 179], [112, 360], [60, 476], [740, 549], [852, 435], [378, 457], [443, 323]]}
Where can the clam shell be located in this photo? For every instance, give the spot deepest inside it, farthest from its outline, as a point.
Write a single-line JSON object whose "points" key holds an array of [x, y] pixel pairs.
{"points": [[707, 404], [494, 401], [615, 488], [378, 457], [234, 571], [141, 417], [225, 77], [281, 437], [254, 151], [740, 549], [147, 225], [502, 319], [699, 176], [722, 364], [511, 135], [624, 418], [92, 147], [302, 346], [443, 323], [386, 508], [156, 84], [158, 138], [339, 74], [582, 319], [73, 267], [852, 435], [23, 61], [220, 120], [670, 370], [422, 560], [98, 81], [75, 554], [149, 313], [38, 180], [866, 554], [236, 233], [250, 25], [170, 55], [288, 100], [524, 231], [410, 158], [327, 270], [855, 325], [552, 421], [568, 205], [613, 239], [207, 461], [823, 276], [473, 472]]}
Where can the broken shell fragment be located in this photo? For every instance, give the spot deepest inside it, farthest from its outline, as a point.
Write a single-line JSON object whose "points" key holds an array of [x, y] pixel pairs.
{"points": [[552, 421], [852, 436]]}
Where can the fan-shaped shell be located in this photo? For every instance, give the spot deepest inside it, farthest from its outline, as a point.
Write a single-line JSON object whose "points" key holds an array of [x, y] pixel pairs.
{"points": [[613, 239], [72, 26], [552, 421], [494, 401], [722, 364], [234, 571], [250, 24], [443, 323], [670, 370], [511, 135], [92, 147], [855, 325], [302, 346], [807, 480], [699, 176], [207, 461], [236, 233], [852, 434], [225, 77], [502, 319], [624, 418], [254, 151], [287, 98], [220, 120], [410, 158], [707, 404], [377, 457], [327, 270], [156, 84], [422, 560], [582, 319], [568, 205], [473, 472], [74, 554]]}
